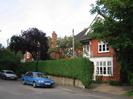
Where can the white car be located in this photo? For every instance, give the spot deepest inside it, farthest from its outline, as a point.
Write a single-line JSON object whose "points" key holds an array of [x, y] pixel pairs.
{"points": [[8, 74]]}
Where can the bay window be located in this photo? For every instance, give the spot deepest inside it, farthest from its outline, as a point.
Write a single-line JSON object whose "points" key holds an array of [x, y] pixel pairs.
{"points": [[104, 68]]}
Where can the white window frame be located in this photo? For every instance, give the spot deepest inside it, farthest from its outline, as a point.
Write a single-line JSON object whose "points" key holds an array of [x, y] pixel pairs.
{"points": [[100, 66], [104, 47]]}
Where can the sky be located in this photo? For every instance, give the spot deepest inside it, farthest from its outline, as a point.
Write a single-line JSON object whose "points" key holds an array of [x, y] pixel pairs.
{"points": [[60, 16]]}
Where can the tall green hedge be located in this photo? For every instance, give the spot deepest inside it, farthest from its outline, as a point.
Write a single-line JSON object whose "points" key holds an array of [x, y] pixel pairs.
{"points": [[78, 68]]}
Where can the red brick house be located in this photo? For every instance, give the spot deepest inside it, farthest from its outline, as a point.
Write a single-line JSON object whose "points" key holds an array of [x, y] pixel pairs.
{"points": [[102, 55]]}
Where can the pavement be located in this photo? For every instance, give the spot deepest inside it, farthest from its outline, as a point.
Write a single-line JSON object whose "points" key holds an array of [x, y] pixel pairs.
{"points": [[106, 88], [110, 92]]}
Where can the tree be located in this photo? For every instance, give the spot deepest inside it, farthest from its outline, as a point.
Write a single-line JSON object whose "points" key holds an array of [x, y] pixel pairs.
{"points": [[8, 59], [66, 44], [18, 44], [29, 40], [116, 28]]}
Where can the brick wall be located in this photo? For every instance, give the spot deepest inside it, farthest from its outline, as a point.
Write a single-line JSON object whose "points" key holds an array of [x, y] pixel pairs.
{"points": [[111, 53], [94, 50]]}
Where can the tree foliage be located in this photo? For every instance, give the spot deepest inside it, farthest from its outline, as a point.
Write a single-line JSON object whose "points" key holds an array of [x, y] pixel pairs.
{"points": [[8, 59], [116, 28], [66, 43], [29, 40]]}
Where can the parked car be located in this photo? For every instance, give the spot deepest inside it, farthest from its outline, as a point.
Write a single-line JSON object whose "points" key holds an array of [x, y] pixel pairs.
{"points": [[8, 74], [37, 79]]}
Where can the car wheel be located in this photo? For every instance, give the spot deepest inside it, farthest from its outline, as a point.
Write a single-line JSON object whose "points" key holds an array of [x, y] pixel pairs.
{"points": [[34, 84], [4, 77], [24, 83]]}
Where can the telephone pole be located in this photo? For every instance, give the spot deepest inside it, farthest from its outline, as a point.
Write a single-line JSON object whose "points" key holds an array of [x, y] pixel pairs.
{"points": [[73, 43]]}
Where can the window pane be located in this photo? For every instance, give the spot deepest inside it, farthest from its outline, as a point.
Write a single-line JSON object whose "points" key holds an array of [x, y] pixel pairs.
{"points": [[109, 63], [104, 63], [97, 64], [84, 48], [100, 48], [97, 71], [101, 70], [100, 63], [104, 70], [104, 48], [87, 47], [107, 47], [109, 70]]}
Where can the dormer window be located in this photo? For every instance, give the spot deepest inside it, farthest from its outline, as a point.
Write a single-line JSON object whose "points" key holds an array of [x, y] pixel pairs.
{"points": [[103, 47]]}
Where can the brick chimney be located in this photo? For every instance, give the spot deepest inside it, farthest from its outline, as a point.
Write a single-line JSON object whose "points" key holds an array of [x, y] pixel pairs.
{"points": [[54, 40]]}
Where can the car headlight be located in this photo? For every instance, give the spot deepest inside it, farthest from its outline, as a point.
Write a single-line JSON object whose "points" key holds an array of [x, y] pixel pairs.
{"points": [[40, 81], [52, 81]]}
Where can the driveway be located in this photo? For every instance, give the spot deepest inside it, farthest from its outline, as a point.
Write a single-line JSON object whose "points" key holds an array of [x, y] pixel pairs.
{"points": [[15, 90]]}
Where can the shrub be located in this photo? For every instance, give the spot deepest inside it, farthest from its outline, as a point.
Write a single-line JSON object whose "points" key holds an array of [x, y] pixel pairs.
{"points": [[130, 78], [77, 68], [129, 93], [114, 82]]}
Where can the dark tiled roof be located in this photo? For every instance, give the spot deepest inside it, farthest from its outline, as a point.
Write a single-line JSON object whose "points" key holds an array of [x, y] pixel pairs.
{"points": [[82, 35]]}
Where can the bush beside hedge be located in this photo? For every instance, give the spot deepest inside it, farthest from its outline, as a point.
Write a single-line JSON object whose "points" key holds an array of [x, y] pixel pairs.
{"points": [[130, 78], [114, 83], [78, 68]]}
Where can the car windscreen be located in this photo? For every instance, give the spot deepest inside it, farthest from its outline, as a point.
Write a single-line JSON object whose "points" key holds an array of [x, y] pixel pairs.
{"points": [[10, 72], [39, 75]]}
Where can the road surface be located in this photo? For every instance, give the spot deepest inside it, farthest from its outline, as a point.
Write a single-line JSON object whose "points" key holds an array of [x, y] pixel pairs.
{"points": [[15, 90]]}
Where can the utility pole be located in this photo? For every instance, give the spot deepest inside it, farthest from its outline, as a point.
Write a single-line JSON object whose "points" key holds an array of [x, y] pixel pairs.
{"points": [[7, 42], [73, 43]]}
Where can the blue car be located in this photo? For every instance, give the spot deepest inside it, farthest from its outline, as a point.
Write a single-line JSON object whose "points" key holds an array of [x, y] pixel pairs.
{"points": [[37, 79]]}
